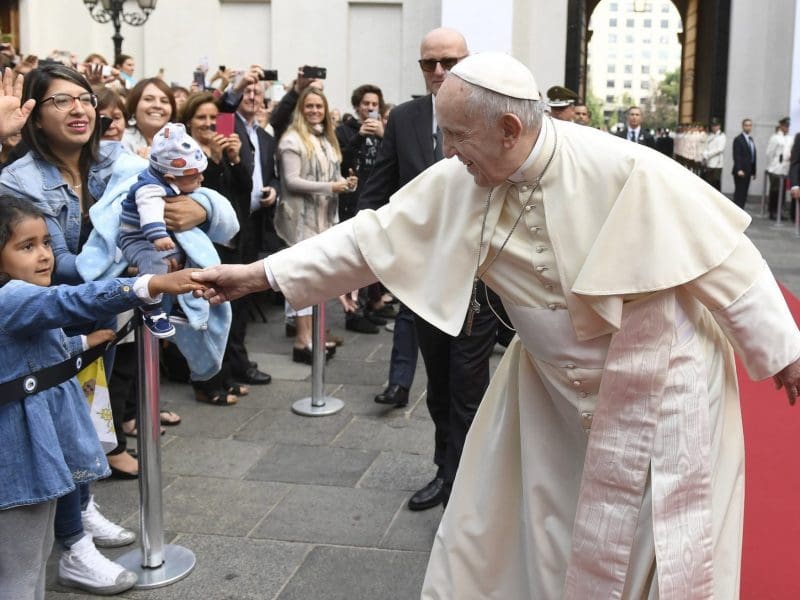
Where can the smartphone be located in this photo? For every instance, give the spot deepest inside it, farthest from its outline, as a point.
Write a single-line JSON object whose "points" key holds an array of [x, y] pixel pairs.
{"points": [[106, 70], [374, 114], [105, 123], [225, 123], [314, 72], [222, 68], [269, 75], [200, 79]]}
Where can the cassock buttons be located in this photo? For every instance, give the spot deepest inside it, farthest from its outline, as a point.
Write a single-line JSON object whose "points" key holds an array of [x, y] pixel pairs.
{"points": [[541, 268], [586, 418], [540, 249]]}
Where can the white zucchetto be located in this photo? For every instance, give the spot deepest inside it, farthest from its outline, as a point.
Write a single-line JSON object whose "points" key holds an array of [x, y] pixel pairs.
{"points": [[498, 72]]}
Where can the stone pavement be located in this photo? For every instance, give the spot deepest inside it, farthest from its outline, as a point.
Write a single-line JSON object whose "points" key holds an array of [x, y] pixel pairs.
{"points": [[278, 506]]}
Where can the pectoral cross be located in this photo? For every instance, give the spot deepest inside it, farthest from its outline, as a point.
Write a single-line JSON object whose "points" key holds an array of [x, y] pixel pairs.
{"points": [[474, 308]]}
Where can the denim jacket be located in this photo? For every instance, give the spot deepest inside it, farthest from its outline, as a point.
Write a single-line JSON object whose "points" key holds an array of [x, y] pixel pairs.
{"points": [[48, 441], [33, 178]]}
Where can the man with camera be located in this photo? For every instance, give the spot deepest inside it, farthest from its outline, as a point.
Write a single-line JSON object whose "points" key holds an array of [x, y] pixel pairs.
{"points": [[257, 154]]}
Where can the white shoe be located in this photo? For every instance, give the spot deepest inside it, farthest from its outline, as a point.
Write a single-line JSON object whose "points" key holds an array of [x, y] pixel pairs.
{"points": [[105, 533], [83, 567]]}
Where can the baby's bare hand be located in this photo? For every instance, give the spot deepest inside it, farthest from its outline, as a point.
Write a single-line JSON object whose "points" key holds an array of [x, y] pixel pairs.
{"points": [[164, 243]]}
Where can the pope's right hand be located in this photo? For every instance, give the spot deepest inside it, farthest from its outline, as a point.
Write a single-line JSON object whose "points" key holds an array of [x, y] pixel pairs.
{"points": [[229, 282]]}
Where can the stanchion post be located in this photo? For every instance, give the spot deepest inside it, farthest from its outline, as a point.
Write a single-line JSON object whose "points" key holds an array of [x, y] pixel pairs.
{"points": [[156, 564], [318, 404], [781, 194], [763, 214]]}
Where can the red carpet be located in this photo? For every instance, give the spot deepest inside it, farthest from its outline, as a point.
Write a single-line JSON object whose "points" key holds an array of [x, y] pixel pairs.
{"points": [[770, 561]]}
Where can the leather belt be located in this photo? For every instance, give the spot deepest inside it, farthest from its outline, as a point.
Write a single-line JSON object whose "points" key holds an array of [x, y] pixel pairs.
{"points": [[43, 379]]}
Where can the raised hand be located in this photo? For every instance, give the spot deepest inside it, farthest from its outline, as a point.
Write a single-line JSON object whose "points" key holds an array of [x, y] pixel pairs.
{"points": [[12, 115]]}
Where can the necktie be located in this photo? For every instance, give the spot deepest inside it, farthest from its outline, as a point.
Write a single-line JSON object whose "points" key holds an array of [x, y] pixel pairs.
{"points": [[633, 135], [752, 148], [437, 145]]}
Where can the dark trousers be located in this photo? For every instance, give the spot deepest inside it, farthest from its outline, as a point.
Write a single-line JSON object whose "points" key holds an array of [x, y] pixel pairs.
{"points": [[741, 186], [458, 375], [235, 352], [405, 349], [714, 178], [68, 523], [123, 391]]}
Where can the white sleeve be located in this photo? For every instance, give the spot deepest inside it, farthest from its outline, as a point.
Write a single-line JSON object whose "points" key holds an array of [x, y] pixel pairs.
{"points": [[273, 285], [150, 202]]}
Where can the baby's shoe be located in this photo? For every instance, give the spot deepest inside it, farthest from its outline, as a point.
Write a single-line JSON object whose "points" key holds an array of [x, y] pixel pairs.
{"points": [[158, 324]]}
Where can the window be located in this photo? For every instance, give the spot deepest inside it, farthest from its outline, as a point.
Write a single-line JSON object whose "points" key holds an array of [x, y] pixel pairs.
{"points": [[648, 23], [645, 85], [662, 54], [644, 100], [612, 38], [629, 55], [629, 23], [662, 69], [612, 68], [627, 84], [612, 22], [610, 83], [664, 8], [610, 99], [665, 24], [613, 7], [629, 68], [646, 54], [645, 69], [646, 40], [663, 39], [628, 39]]}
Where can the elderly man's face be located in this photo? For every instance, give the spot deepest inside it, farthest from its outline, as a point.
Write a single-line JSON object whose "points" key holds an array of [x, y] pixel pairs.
{"points": [[439, 45], [478, 146]]}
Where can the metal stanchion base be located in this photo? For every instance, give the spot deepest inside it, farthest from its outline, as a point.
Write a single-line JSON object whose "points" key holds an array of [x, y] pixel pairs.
{"points": [[330, 407], [178, 563]]}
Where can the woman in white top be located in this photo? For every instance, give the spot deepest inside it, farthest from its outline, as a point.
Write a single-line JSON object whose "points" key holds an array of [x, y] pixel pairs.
{"points": [[150, 105]]}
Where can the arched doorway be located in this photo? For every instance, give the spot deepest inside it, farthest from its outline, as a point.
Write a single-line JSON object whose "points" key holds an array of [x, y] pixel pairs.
{"points": [[704, 56]]}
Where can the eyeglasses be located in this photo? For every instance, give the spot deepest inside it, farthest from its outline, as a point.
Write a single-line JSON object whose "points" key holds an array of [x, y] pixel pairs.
{"points": [[65, 102], [429, 64]]}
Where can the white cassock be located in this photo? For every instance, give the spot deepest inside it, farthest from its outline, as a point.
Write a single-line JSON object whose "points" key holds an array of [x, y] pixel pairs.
{"points": [[607, 459]]}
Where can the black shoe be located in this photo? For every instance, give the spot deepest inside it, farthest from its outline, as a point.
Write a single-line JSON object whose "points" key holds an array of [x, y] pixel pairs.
{"points": [[387, 311], [393, 394], [253, 376], [361, 324], [373, 317], [429, 496], [305, 355]]}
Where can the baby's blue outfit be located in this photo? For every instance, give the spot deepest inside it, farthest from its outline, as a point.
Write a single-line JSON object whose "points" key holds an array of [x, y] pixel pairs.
{"points": [[100, 258], [48, 441]]}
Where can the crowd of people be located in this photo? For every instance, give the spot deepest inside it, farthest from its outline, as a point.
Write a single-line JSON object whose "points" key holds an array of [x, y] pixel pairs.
{"points": [[212, 175]]}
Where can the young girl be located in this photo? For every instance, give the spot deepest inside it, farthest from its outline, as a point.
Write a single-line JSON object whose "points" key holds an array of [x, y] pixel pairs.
{"points": [[49, 443]]}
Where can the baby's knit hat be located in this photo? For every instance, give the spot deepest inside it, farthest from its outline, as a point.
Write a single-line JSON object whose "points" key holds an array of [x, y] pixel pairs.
{"points": [[176, 153]]}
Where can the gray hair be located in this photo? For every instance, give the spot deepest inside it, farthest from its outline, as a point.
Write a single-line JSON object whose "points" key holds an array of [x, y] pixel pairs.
{"points": [[490, 106]]}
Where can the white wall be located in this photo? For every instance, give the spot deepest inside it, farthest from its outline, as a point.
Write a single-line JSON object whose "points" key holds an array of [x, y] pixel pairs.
{"points": [[359, 41], [759, 76]]}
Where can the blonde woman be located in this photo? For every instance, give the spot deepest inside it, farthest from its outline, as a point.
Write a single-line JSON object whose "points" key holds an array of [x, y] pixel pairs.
{"points": [[310, 162]]}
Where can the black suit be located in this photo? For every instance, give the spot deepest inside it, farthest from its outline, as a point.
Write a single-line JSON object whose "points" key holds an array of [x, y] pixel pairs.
{"points": [[645, 138], [457, 367], [743, 160]]}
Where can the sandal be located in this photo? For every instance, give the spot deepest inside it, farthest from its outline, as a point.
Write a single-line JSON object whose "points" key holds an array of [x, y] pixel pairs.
{"points": [[237, 389], [217, 397], [169, 418], [129, 428]]}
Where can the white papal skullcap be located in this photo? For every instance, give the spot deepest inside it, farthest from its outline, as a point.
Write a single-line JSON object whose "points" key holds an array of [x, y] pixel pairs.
{"points": [[499, 72]]}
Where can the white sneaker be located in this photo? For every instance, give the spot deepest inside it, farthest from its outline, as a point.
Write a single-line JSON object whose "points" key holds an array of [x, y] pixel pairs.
{"points": [[83, 567], [105, 533]]}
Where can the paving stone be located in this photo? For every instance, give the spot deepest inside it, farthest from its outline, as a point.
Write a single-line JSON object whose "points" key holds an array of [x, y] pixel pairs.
{"points": [[219, 506], [281, 366], [358, 574], [414, 436], [340, 370], [214, 421], [331, 515], [399, 471], [217, 458], [119, 499], [312, 464], [413, 530], [231, 569], [283, 426]]}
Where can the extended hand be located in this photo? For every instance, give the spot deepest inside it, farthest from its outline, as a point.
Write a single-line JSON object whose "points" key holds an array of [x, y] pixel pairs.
{"points": [[101, 336], [229, 282], [789, 379], [177, 282], [181, 213], [12, 115]]}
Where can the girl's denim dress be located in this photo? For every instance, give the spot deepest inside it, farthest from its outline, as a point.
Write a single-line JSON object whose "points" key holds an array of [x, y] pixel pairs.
{"points": [[47, 440]]}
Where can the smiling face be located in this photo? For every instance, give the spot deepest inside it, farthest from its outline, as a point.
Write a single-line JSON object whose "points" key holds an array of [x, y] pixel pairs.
{"points": [[27, 256], [117, 127], [314, 110], [66, 129], [153, 110], [202, 123], [369, 102], [483, 149], [252, 99]]}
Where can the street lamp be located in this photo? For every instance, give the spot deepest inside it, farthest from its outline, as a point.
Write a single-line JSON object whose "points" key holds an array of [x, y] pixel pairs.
{"points": [[111, 10]]}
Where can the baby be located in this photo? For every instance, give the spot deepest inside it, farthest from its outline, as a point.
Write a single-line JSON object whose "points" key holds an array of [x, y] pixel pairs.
{"points": [[176, 167]]}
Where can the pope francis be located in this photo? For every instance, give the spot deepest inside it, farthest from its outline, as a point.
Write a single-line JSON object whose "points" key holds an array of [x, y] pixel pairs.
{"points": [[607, 458]]}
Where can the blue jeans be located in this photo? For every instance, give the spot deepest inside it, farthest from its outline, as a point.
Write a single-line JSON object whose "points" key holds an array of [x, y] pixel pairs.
{"points": [[68, 526]]}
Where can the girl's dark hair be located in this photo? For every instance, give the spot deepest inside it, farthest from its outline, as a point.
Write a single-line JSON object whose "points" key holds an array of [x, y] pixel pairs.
{"points": [[12, 211], [121, 59], [37, 82], [133, 97]]}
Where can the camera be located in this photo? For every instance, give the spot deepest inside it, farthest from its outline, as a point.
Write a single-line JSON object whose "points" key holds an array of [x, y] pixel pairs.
{"points": [[268, 75], [315, 72], [374, 114], [106, 71], [200, 79]]}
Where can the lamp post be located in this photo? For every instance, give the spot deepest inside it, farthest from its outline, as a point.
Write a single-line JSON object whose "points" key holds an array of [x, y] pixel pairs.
{"points": [[112, 10]]}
